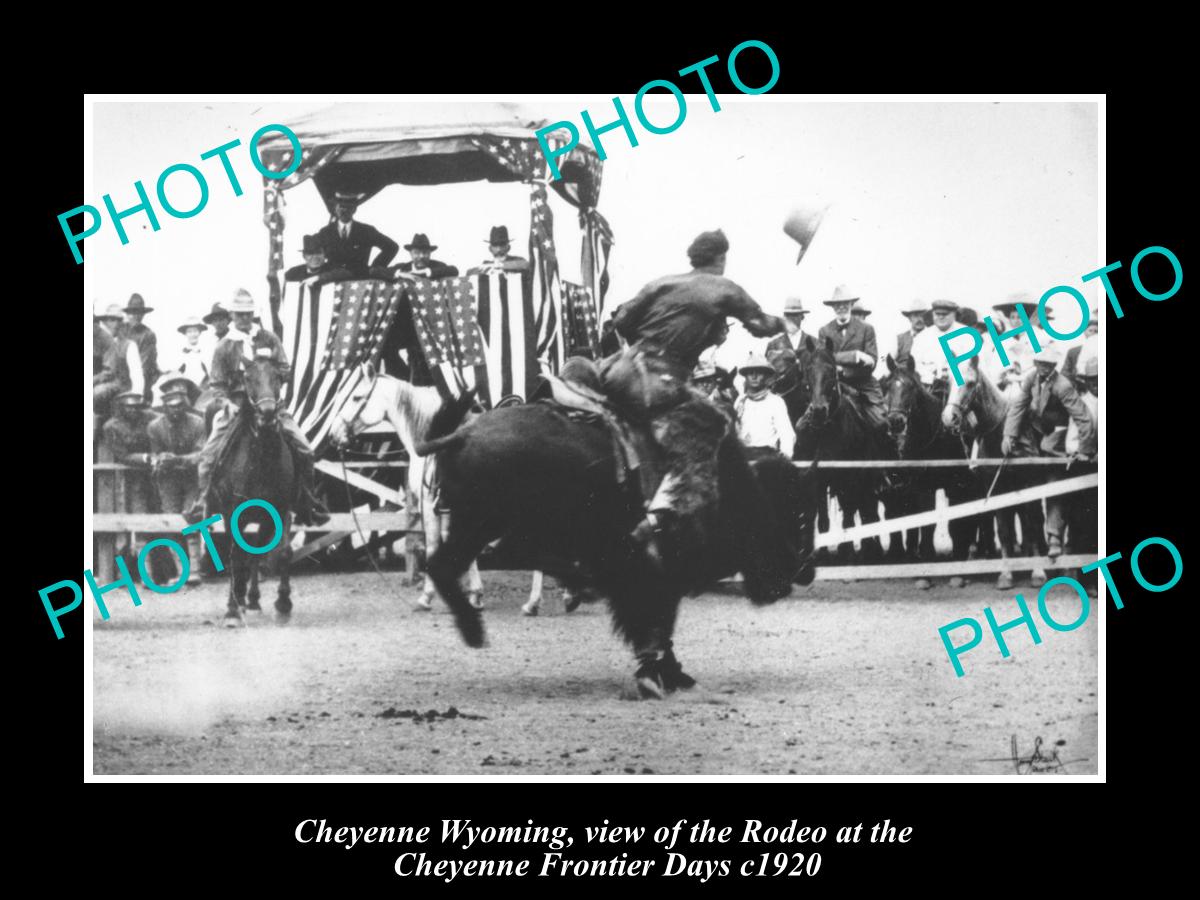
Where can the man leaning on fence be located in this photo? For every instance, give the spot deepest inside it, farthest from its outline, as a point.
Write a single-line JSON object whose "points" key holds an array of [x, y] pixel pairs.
{"points": [[243, 342], [1043, 404], [176, 438]]}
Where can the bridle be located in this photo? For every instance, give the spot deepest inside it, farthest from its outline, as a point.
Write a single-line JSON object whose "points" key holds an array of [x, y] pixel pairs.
{"points": [[351, 422]]}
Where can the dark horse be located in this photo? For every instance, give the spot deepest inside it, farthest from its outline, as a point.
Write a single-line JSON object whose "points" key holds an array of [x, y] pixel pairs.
{"points": [[915, 420], [256, 464], [547, 484], [834, 427], [976, 410]]}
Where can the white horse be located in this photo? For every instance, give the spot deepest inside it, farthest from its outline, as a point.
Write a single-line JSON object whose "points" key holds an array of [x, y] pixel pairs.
{"points": [[409, 410]]}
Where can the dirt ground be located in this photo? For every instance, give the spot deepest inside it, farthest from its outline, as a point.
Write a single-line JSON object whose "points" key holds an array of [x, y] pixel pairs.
{"points": [[838, 679]]}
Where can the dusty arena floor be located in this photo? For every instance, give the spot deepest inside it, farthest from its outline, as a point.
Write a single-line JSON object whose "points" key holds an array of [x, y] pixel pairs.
{"points": [[838, 679]]}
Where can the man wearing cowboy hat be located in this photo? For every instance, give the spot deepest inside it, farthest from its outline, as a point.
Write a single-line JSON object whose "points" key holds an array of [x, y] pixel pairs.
{"points": [[121, 367], [192, 361], [421, 264], [929, 359], [762, 417], [1018, 348], [315, 264], [176, 439], [126, 435], [242, 345], [219, 319], [1043, 404], [348, 243], [855, 352], [915, 312], [501, 260], [792, 365], [144, 337], [859, 310], [670, 322], [1078, 356]]}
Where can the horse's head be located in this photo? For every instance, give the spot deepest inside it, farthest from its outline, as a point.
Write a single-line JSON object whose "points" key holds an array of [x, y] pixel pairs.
{"points": [[365, 407], [961, 397], [821, 374], [904, 393], [261, 380]]}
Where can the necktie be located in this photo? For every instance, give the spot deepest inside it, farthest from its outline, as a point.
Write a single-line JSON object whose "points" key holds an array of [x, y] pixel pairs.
{"points": [[345, 229]]}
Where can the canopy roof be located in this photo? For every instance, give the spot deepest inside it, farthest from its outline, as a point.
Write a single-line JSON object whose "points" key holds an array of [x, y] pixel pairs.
{"points": [[372, 145]]}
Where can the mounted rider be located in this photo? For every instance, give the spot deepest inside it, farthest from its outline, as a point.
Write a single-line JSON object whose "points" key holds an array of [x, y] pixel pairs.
{"points": [[244, 342], [668, 325]]}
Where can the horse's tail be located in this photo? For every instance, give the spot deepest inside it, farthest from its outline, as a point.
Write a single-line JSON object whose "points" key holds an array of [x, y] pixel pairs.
{"points": [[444, 431]]}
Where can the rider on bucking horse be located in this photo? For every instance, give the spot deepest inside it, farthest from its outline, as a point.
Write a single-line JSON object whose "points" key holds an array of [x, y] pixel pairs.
{"points": [[668, 325], [240, 346]]}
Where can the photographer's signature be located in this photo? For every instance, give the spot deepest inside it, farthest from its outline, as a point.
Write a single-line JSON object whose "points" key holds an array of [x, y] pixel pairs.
{"points": [[1039, 761]]}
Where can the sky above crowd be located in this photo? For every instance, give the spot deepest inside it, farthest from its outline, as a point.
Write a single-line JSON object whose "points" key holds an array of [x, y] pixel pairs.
{"points": [[970, 201]]}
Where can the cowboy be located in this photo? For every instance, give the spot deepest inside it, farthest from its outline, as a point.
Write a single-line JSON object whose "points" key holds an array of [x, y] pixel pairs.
{"points": [[929, 358], [711, 381], [176, 438], [916, 312], [1041, 407], [126, 435], [316, 265], [501, 260], [789, 355], [144, 337], [421, 264], [1019, 349], [668, 324], [762, 417], [793, 318], [193, 358], [855, 352], [348, 243], [243, 343], [121, 367], [859, 310], [219, 319], [1077, 357]]}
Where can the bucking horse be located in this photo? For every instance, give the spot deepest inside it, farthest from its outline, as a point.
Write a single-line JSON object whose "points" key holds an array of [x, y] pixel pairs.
{"points": [[555, 489]]}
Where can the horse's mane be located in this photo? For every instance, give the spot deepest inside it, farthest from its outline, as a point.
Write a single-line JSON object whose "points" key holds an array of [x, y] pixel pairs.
{"points": [[417, 407]]}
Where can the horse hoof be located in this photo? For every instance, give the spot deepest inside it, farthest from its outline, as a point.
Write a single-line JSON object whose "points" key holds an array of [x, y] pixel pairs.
{"points": [[530, 609], [282, 616], [1038, 578], [957, 581], [805, 575], [254, 607], [475, 599], [423, 604], [471, 629], [1004, 581], [233, 620], [571, 601], [650, 687], [923, 584]]}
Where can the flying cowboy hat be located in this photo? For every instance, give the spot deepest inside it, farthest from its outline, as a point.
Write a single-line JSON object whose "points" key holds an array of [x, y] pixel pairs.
{"points": [[841, 294]]}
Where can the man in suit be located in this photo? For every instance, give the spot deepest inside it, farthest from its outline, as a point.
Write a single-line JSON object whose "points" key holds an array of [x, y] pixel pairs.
{"points": [[348, 243], [501, 260], [121, 366], [315, 265], [1043, 405], [915, 313], [146, 340], [422, 264], [788, 353], [855, 352], [245, 341]]}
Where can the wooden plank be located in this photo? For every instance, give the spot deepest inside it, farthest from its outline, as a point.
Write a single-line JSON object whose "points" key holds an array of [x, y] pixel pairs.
{"points": [[319, 544], [350, 464], [334, 470], [945, 569], [106, 523], [934, 463], [974, 507]]}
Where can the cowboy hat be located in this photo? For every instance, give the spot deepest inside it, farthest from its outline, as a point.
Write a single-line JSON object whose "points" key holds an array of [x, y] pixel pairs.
{"points": [[218, 312], [242, 302], [499, 235], [841, 294], [792, 306], [192, 322], [421, 242], [138, 305]]}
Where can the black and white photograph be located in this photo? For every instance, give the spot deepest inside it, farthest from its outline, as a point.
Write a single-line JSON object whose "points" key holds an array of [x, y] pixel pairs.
{"points": [[467, 437]]}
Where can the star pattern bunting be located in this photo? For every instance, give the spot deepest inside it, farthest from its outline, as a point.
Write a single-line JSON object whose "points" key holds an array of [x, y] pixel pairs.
{"points": [[362, 313], [445, 320]]}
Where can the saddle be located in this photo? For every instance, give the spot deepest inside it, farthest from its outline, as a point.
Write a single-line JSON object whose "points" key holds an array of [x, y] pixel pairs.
{"points": [[634, 448]]}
